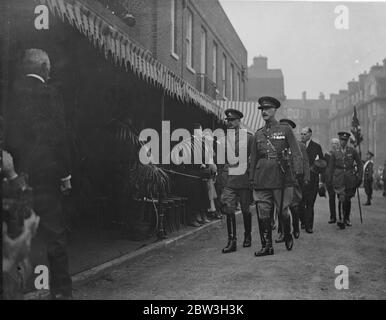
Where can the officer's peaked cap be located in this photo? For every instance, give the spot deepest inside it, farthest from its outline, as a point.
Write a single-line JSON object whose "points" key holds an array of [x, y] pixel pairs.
{"points": [[233, 114], [344, 135], [268, 102], [289, 122]]}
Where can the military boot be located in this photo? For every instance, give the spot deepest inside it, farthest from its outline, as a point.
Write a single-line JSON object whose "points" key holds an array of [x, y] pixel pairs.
{"points": [[295, 221], [232, 240], [340, 222], [347, 212], [247, 229], [280, 239], [289, 242], [266, 232]]}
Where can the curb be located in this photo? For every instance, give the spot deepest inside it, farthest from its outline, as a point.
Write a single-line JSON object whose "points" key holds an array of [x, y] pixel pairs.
{"points": [[96, 271]]}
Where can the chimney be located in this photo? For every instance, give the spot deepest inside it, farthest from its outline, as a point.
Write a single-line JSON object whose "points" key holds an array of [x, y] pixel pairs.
{"points": [[321, 96], [362, 78], [260, 62], [376, 68], [304, 95], [352, 86]]}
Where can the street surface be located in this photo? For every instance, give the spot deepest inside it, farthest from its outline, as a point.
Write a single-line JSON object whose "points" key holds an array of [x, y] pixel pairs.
{"points": [[195, 268]]}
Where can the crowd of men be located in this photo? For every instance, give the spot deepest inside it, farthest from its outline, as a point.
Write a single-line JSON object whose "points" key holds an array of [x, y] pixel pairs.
{"points": [[285, 176], [283, 179]]}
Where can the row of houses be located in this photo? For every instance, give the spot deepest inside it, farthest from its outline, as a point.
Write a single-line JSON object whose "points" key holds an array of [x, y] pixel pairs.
{"points": [[328, 116]]}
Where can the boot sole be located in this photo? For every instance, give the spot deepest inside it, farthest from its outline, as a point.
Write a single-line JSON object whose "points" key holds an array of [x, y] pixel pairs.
{"points": [[265, 254], [229, 251]]}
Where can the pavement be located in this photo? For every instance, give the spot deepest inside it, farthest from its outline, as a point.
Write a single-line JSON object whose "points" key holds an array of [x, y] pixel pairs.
{"points": [[193, 267]]}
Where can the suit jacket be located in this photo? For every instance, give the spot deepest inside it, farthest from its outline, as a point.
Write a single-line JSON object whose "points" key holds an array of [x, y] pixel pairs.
{"points": [[313, 150], [36, 134], [306, 163]]}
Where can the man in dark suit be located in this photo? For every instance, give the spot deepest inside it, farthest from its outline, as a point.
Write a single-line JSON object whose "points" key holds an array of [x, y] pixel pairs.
{"points": [[335, 145], [368, 169], [310, 191], [36, 138]]}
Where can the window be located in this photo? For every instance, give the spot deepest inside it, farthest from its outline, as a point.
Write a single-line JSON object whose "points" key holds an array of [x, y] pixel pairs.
{"points": [[174, 27], [242, 90], [203, 50], [224, 74], [214, 66], [231, 80], [189, 39], [238, 87], [314, 114]]}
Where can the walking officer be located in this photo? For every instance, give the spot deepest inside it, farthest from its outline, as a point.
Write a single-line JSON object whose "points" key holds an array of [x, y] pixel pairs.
{"points": [[270, 174], [297, 196], [345, 178], [368, 170], [236, 187]]}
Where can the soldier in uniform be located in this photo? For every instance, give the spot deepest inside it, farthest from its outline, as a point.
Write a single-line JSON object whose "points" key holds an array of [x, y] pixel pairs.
{"points": [[368, 170], [297, 196], [270, 175], [236, 187], [344, 177]]}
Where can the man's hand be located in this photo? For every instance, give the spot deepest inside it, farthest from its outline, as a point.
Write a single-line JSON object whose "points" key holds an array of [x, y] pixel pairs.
{"points": [[65, 186], [8, 167]]}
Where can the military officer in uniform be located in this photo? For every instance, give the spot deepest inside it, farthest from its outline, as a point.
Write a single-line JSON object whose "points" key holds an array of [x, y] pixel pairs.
{"points": [[270, 175], [297, 196], [236, 187], [345, 178], [368, 170]]}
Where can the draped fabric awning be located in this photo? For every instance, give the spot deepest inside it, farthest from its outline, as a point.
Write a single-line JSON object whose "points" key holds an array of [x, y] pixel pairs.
{"points": [[126, 52], [252, 119]]}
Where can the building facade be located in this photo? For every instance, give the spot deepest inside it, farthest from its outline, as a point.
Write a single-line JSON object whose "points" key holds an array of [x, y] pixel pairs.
{"points": [[196, 41], [263, 81], [368, 94], [311, 113]]}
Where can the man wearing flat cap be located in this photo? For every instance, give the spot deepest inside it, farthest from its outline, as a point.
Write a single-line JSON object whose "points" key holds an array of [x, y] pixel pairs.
{"points": [[236, 187], [368, 170], [302, 180], [270, 176], [345, 178]]}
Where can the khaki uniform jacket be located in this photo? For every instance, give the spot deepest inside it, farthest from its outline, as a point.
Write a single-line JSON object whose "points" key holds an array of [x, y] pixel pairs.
{"points": [[341, 168], [265, 173], [238, 181]]}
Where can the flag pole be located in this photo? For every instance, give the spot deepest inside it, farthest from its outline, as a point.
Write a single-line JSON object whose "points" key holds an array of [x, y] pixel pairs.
{"points": [[355, 123]]}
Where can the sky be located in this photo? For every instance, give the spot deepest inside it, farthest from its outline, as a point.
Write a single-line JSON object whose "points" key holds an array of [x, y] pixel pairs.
{"points": [[301, 39]]}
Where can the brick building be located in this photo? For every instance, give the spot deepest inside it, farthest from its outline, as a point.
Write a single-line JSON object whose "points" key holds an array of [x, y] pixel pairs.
{"points": [[368, 94], [196, 41], [312, 113], [263, 81]]}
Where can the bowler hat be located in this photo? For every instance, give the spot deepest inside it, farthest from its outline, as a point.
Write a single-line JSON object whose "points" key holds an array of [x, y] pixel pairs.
{"points": [[268, 102]]}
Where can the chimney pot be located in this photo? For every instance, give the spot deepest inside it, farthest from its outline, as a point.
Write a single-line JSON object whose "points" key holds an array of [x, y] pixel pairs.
{"points": [[304, 95]]}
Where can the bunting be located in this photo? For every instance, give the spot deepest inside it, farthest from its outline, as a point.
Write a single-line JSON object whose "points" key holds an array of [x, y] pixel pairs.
{"points": [[124, 51]]}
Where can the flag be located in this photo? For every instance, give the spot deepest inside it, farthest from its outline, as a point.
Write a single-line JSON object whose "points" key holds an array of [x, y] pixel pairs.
{"points": [[355, 120], [356, 129]]}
